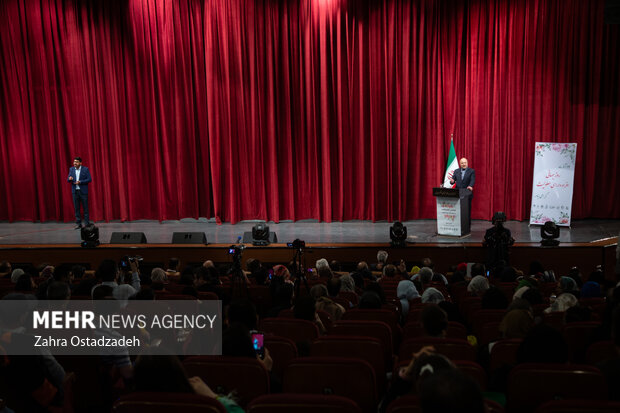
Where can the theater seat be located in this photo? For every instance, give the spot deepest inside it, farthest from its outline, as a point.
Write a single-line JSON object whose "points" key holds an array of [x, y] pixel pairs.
{"points": [[601, 351], [532, 384], [156, 402], [504, 352], [411, 404], [579, 406], [246, 376], [453, 348], [282, 350], [578, 337], [375, 329], [302, 403], [294, 329], [386, 316], [345, 377], [360, 347]]}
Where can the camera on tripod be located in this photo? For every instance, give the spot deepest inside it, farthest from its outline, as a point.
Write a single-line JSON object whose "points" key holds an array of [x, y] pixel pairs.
{"points": [[297, 244], [235, 251]]}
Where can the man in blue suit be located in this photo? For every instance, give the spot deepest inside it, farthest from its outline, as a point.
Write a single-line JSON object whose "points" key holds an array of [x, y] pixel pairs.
{"points": [[79, 178], [465, 178]]}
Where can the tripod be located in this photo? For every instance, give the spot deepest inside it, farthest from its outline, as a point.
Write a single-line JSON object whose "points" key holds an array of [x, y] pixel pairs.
{"points": [[299, 273], [239, 286]]}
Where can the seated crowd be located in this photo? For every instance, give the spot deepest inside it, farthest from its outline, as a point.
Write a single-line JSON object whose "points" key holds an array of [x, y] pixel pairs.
{"points": [[459, 341]]}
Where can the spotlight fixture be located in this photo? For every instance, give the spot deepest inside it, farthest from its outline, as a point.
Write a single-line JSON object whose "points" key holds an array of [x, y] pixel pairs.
{"points": [[90, 236], [260, 235], [398, 234], [549, 234]]}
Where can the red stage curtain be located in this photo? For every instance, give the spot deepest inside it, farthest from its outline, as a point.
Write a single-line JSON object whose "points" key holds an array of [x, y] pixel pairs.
{"points": [[277, 109]]}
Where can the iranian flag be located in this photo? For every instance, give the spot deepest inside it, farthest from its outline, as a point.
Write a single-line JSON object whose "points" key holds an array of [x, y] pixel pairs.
{"points": [[451, 165]]}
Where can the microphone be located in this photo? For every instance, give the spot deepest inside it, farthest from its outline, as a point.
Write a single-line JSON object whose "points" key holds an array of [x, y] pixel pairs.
{"points": [[239, 240]]}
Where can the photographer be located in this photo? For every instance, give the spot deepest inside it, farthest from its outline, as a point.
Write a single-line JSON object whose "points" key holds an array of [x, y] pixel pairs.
{"points": [[497, 240], [109, 274]]}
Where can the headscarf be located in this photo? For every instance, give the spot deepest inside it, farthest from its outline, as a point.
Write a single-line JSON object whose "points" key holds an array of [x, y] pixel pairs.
{"points": [[17, 272], [520, 292], [318, 290], [432, 295], [406, 291], [478, 285], [562, 303], [47, 272], [414, 270], [347, 283], [282, 271], [590, 289], [516, 324], [568, 285]]}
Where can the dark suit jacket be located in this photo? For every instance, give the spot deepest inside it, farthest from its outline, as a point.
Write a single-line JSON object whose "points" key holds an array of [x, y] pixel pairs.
{"points": [[85, 179], [468, 180]]}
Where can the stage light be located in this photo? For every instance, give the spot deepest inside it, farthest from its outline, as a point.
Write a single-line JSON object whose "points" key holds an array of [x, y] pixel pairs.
{"points": [[260, 235], [398, 234], [90, 236], [549, 234]]}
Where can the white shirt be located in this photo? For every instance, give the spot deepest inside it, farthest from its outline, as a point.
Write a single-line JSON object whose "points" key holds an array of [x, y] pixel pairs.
{"points": [[77, 177]]}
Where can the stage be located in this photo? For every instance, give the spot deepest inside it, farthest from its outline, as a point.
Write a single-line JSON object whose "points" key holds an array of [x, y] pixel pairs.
{"points": [[311, 231], [585, 244]]}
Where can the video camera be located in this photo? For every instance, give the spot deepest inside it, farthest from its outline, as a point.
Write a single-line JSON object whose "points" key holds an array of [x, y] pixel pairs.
{"points": [[127, 260], [297, 244]]}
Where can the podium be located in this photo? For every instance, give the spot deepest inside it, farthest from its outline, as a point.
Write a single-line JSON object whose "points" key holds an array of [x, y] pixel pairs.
{"points": [[452, 211]]}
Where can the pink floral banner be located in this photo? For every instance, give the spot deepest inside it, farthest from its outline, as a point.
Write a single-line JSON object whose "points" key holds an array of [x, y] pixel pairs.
{"points": [[552, 189]]}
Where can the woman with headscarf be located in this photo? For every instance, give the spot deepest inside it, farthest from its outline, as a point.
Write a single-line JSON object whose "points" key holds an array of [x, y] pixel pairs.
{"points": [[516, 324], [590, 289], [478, 285], [432, 295], [568, 285], [406, 292], [562, 303]]}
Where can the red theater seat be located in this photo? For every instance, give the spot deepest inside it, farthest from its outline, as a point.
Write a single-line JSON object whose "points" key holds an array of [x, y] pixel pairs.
{"points": [[363, 348], [453, 348], [155, 402], [416, 330], [601, 351], [282, 350], [532, 384], [578, 337], [411, 404], [504, 352], [246, 376], [386, 316], [350, 378], [375, 329], [302, 403], [292, 328], [579, 406]]}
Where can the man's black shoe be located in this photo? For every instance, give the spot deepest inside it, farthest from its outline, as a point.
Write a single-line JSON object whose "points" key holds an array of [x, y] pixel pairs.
{"points": [[78, 226]]}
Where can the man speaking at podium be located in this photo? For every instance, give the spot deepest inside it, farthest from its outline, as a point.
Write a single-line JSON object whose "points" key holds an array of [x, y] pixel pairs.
{"points": [[464, 177]]}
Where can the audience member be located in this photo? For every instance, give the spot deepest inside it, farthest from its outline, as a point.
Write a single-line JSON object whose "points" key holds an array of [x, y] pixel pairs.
{"points": [[494, 299], [432, 296], [434, 321], [478, 285], [166, 374], [406, 292]]}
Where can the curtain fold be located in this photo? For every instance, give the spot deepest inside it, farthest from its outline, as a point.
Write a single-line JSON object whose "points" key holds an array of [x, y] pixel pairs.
{"points": [[281, 109]]}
